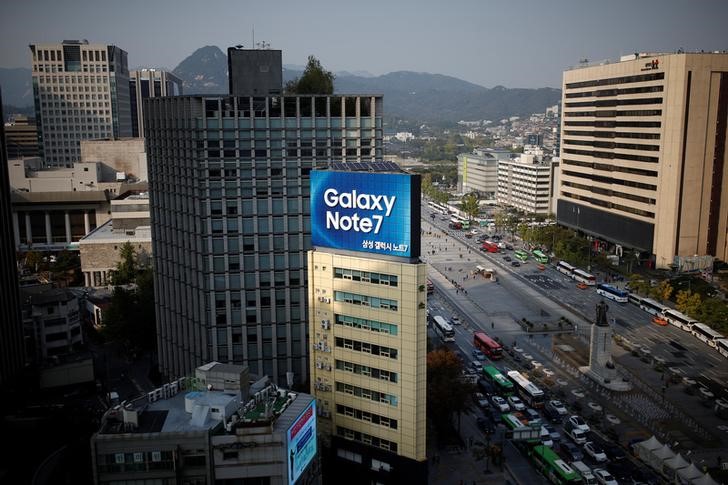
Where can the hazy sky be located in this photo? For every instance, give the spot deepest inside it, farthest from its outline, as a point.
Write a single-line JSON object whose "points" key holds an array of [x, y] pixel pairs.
{"points": [[515, 43]]}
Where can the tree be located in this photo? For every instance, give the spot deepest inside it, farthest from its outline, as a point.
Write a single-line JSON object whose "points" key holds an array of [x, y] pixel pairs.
{"points": [[33, 260], [638, 284], [662, 291], [714, 312], [130, 319], [688, 302], [126, 268], [314, 80], [447, 394], [470, 205]]}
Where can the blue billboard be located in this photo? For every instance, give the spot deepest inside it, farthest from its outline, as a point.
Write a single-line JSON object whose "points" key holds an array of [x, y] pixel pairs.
{"points": [[363, 211], [301, 438]]}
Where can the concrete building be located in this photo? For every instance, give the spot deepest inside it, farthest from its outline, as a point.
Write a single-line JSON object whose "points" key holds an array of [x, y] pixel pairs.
{"points": [[80, 92], [213, 427], [125, 156], [643, 159], [21, 136], [368, 338], [525, 183], [255, 72], [12, 356], [100, 249], [149, 83], [231, 220], [478, 171]]}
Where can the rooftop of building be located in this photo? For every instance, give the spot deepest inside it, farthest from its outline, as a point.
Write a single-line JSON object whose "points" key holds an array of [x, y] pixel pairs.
{"points": [[643, 55], [85, 196], [105, 233], [45, 294], [379, 166]]}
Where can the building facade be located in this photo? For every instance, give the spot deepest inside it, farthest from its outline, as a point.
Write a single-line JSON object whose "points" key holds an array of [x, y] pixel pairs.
{"points": [[12, 356], [21, 135], [643, 158], [255, 72], [478, 171], [368, 339], [52, 322], [525, 184], [229, 189], [149, 83], [80, 91]]}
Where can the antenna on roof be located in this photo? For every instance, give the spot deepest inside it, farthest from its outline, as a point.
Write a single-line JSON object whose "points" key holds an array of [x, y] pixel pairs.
{"points": [[584, 61]]}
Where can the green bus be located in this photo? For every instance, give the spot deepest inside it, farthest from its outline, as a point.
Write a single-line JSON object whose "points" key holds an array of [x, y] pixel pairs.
{"points": [[539, 256], [466, 224], [511, 421], [521, 254], [502, 384], [553, 467]]}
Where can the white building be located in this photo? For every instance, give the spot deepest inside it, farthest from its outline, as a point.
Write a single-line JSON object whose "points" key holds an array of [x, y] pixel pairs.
{"points": [[526, 184], [478, 171]]}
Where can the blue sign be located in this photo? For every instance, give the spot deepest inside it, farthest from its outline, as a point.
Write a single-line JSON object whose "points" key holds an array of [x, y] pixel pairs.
{"points": [[364, 211], [301, 437]]}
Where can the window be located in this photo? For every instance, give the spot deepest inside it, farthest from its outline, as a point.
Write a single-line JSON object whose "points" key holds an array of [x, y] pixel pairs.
{"points": [[366, 277]]}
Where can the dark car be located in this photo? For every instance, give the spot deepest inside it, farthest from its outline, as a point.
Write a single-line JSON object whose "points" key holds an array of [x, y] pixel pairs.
{"points": [[508, 258], [515, 263], [485, 387], [485, 425], [509, 247], [614, 452], [570, 452]]}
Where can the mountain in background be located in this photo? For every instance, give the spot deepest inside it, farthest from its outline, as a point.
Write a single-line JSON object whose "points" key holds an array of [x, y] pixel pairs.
{"points": [[414, 96]]}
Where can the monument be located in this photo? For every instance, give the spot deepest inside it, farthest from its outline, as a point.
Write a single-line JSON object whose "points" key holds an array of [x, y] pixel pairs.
{"points": [[601, 368]]}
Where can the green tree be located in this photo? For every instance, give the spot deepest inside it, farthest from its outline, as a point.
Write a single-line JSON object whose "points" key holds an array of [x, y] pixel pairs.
{"points": [[126, 269], [638, 284], [688, 302], [714, 313], [33, 260], [470, 205], [314, 80], [447, 395], [129, 319], [662, 291]]}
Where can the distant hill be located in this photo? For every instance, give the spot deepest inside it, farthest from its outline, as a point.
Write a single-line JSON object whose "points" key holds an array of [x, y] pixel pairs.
{"points": [[17, 86], [204, 71]]}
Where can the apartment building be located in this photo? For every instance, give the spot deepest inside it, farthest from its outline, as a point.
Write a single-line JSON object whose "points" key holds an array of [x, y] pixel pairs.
{"points": [[643, 159]]}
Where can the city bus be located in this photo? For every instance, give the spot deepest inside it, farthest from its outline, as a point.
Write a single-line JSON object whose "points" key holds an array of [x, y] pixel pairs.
{"points": [[430, 287], [492, 349], [565, 268], [511, 421], [583, 277], [609, 291], [652, 307], [503, 386], [703, 332], [679, 320], [539, 256], [532, 395], [438, 207], [634, 299], [722, 347], [443, 329], [490, 247], [520, 254], [553, 467]]}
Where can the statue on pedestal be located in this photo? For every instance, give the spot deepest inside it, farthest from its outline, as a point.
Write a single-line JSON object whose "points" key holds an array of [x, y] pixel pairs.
{"points": [[601, 319]]}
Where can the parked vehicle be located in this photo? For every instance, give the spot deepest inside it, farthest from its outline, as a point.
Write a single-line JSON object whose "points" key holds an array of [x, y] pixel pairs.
{"points": [[595, 451]]}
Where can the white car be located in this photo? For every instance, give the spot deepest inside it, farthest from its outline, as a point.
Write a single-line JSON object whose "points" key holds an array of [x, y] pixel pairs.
{"points": [[557, 407], [455, 320], [578, 422], [595, 451], [516, 403], [500, 404], [604, 477]]}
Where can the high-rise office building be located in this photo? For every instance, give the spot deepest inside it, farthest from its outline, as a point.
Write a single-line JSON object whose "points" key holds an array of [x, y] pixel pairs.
{"points": [[478, 171], [229, 198], [525, 183], [11, 330], [643, 156], [21, 136], [81, 91], [367, 323], [149, 83]]}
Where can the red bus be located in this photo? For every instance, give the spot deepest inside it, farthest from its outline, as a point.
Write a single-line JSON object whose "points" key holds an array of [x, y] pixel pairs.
{"points": [[492, 349], [490, 247]]}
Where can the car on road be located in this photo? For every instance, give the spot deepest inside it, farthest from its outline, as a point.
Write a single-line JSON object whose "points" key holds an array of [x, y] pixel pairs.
{"points": [[476, 367], [577, 435], [582, 286], [478, 355], [604, 477], [614, 452], [578, 422], [556, 407], [480, 400], [485, 387], [455, 320], [532, 415], [553, 433], [509, 247], [500, 404], [485, 425], [570, 451], [508, 258], [595, 451], [516, 403], [515, 263]]}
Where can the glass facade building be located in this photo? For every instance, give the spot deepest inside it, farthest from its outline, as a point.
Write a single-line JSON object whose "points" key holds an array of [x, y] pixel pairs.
{"points": [[229, 180]]}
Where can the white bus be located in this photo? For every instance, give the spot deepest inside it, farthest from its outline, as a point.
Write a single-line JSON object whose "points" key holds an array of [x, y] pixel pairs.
{"points": [[444, 329], [566, 268], [608, 291], [722, 347], [635, 299], [703, 332], [676, 318], [532, 395], [652, 307], [583, 277], [438, 207]]}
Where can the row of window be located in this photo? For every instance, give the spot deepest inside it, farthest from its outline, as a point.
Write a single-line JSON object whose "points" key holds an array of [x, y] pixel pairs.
{"points": [[613, 134], [611, 145], [376, 396], [59, 68], [609, 192], [609, 205], [367, 371], [616, 80], [610, 168], [611, 155], [615, 92], [610, 180], [366, 416], [365, 300], [367, 348], [364, 324], [367, 439], [290, 123], [366, 276], [612, 113], [614, 102], [615, 124]]}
